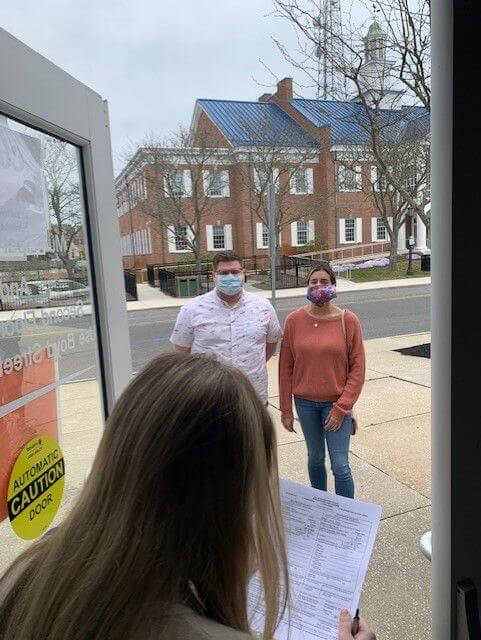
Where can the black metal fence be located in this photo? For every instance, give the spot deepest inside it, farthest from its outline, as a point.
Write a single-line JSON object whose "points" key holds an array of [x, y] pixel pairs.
{"points": [[130, 281], [185, 281], [180, 282]]}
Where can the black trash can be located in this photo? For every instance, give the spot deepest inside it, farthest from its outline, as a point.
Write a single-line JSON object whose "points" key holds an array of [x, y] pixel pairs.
{"points": [[426, 262]]}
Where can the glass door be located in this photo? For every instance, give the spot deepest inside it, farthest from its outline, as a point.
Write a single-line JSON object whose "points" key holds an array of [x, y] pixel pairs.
{"points": [[50, 380], [64, 355]]}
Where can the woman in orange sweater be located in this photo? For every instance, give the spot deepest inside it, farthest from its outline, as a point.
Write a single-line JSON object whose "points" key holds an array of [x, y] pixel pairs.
{"points": [[322, 364]]}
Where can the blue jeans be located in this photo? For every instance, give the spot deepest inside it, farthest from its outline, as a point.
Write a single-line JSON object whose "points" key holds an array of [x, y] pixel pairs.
{"points": [[312, 416]]}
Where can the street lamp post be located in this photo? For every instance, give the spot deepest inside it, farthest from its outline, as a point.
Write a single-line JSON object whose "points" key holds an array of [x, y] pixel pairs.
{"points": [[271, 207], [410, 272]]}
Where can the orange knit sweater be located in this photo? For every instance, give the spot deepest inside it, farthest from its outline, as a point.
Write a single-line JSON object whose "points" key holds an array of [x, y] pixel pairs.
{"points": [[312, 363]]}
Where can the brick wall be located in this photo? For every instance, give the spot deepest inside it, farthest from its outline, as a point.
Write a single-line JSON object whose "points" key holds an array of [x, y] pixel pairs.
{"points": [[235, 210]]}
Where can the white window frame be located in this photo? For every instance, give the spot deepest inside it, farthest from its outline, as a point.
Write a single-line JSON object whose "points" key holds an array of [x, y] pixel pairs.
{"points": [[262, 233], [295, 234], [185, 184], [302, 229], [218, 239], [410, 183], [225, 183], [260, 183], [357, 174], [209, 234], [375, 222], [172, 239], [309, 181], [357, 231]]}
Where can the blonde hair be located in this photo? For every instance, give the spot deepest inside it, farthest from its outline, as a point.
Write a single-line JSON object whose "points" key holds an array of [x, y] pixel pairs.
{"points": [[184, 488]]}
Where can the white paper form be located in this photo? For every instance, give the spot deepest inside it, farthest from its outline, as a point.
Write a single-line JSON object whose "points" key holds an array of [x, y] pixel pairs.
{"points": [[329, 544]]}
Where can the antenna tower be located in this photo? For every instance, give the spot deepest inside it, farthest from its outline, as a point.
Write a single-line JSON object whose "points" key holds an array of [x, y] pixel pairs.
{"points": [[329, 35]]}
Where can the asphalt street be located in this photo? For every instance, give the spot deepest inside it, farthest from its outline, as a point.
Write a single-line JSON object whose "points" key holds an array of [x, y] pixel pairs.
{"points": [[383, 312]]}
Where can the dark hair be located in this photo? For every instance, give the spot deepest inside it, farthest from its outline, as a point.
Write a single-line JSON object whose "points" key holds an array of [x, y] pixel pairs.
{"points": [[225, 256], [323, 266]]}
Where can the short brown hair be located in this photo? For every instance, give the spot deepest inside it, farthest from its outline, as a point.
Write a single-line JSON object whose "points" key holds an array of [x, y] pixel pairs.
{"points": [[323, 266], [225, 256]]}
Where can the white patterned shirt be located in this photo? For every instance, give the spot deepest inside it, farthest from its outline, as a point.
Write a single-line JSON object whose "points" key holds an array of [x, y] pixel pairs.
{"points": [[236, 335]]}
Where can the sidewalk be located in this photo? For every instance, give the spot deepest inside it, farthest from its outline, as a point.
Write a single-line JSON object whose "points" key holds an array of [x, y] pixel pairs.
{"points": [[390, 458], [150, 298]]}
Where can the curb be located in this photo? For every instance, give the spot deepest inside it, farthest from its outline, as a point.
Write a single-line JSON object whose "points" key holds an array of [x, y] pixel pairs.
{"points": [[179, 302]]}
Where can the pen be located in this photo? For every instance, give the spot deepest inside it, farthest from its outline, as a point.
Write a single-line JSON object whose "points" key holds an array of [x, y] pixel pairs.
{"points": [[355, 623]]}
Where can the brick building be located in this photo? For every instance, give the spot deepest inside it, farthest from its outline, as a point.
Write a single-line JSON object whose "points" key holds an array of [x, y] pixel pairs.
{"points": [[326, 203]]}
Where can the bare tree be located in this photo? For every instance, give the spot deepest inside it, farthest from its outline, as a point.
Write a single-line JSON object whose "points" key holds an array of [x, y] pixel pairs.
{"points": [[63, 197], [280, 157], [407, 160], [408, 28], [183, 184], [383, 120]]}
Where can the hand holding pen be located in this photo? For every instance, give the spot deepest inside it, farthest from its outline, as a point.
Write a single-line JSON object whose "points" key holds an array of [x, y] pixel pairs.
{"points": [[354, 629]]}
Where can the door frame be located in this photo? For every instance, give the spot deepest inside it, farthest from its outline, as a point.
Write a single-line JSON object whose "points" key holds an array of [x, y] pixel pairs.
{"points": [[39, 94]]}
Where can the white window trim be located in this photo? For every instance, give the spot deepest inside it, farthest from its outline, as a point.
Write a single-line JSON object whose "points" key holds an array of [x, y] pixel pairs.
{"points": [[260, 235], [171, 240], [257, 182], [209, 233], [309, 181], [358, 178], [186, 185], [357, 231], [310, 233], [140, 243], [374, 229], [225, 177]]}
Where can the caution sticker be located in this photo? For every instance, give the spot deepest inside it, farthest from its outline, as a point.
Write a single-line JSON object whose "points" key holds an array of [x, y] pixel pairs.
{"points": [[36, 486]]}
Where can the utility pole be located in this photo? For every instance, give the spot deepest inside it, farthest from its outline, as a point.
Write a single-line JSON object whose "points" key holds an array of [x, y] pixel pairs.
{"points": [[272, 218]]}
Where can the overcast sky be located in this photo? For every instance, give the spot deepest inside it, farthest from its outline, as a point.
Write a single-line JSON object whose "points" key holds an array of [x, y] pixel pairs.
{"points": [[152, 58]]}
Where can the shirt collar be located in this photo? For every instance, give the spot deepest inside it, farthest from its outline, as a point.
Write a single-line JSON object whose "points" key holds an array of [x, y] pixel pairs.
{"points": [[223, 303]]}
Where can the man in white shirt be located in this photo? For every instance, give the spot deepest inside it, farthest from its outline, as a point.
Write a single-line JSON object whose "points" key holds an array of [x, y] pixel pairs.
{"points": [[229, 324]]}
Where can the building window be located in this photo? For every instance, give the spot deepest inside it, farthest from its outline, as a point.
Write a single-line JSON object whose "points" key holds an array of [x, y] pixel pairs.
{"points": [[175, 183], [381, 231], [428, 183], [218, 236], [350, 230], [181, 239], [349, 179], [261, 180], [410, 182], [300, 181], [265, 235], [302, 232], [216, 183]]}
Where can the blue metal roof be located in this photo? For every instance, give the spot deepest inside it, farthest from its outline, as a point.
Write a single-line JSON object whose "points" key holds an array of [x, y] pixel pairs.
{"points": [[349, 123], [247, 124]]}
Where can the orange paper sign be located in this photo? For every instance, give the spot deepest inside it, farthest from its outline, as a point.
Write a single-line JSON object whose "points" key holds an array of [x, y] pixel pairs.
{"points": [[37, 417]]}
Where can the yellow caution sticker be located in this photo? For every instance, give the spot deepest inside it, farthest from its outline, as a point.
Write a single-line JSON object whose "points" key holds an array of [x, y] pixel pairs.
{"points": [[36, 486]]}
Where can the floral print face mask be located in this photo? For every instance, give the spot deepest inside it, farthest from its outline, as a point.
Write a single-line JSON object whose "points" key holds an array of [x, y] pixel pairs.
{"points": [[320, 293]]}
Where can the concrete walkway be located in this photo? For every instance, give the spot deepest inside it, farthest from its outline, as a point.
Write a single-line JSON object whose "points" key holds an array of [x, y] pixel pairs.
{"points": [[390, 458], [153, 298]]}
